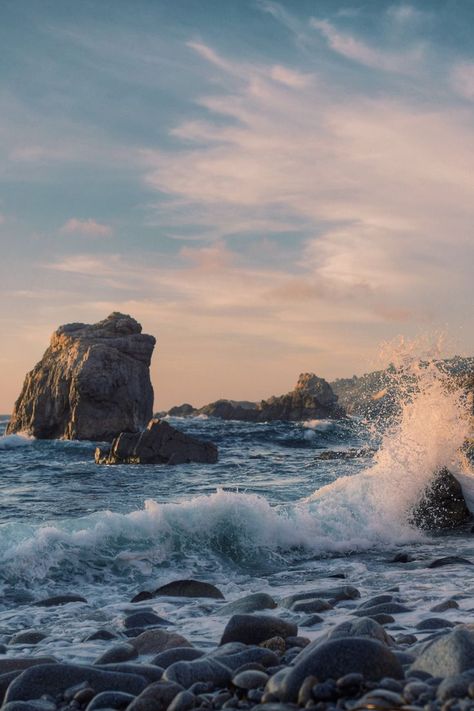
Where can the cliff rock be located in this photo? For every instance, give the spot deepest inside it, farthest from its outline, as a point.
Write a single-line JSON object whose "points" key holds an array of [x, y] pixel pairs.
{"points": [[92, 382], [160, 443], [312, 398]]}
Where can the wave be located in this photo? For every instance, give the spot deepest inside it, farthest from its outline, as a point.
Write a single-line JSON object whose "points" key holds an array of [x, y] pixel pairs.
{"points": [[15, 440]]}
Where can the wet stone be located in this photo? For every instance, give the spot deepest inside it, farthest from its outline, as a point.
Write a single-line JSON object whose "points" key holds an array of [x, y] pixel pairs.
{"points": [[158, 640], [434, 623], [156, 697], [250, 679], [144, 619], [27, 637], [377, 600], [207, 669], [101, 634], [59, 600], [118, 653], [254, 629], [183, 701], [445, 605], [316, 605], [249, 603], [311, 621], [110, 700], [178, 654]]}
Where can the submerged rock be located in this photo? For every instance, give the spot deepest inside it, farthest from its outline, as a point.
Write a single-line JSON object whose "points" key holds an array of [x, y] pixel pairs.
{"points": [[92, 382], [442, 504], [159, 443], [254, 629], [249, 603], [182, 588]]}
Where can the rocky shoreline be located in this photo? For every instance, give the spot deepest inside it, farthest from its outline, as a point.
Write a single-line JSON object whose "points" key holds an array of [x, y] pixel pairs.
{"points": [[274, 653]]}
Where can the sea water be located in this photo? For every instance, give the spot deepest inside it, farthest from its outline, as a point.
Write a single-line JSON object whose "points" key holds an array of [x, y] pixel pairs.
{"points": [[273, 516]]}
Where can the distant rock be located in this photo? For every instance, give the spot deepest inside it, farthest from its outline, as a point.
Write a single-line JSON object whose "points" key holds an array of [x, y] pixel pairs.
{"points": [[159, 443], [91, 383], [442, 504], [312, 398], [182, 588]]}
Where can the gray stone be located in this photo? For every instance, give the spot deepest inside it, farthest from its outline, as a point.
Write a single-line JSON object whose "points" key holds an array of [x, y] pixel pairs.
{"points": [[311, 621], [5, 681], [22, 663], [448, 655], [144, 619], [247, 655], [58, 600], [119, 653], [455, 686], [178, 654], [110, 700], [334, 659], [364, 627], [445, 605], [253, 629], [27, 637], [434, 623], [386, 608], [158, 640], [250, 679], [316, 605], [345, 592], [377, 600], [101, 634], [159, 443], [183, 701], [382, 618], [449, 560], [34, 705], [53, 679], [442, 505], [206, 669], [156, 697], [150, 672], [92, 382], [249, 603], [188, 588]]}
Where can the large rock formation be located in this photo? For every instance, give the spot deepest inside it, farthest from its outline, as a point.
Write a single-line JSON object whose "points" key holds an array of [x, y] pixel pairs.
{"points": [[92, 382], [158, 444], [312, 398], [442, 505]]}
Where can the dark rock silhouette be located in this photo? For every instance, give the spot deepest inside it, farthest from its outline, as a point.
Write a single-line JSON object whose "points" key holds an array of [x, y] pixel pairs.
{"points": [[158, 444], [442, 504], [92, 382]]}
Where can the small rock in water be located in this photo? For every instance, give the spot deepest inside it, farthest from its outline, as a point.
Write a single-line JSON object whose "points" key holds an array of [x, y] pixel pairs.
{"points": [[59, 600], [253, 629], [434, 623], [316, 605], [346, 592], [386, 608], [183, 701], [382, 618], [377, 600], [276, 644], [158, 640], [445, 605], [101, 634], [182, 588], [144, 619], [449, 560], [249, 603], [311, 621], [118, 653], [27, 637], [402, 558]]}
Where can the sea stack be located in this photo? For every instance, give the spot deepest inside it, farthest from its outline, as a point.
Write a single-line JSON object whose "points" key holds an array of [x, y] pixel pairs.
{"points": [[92, 382]]}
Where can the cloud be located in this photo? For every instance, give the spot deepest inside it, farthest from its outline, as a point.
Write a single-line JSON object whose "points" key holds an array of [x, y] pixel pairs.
{"points": [[359, 51], [377, 191], [88, 228], [462, 79]]}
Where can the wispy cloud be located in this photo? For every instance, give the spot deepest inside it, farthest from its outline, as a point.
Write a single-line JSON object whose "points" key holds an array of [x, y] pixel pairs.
{"points": [[88, 228], [462, 78], [356, 49]]}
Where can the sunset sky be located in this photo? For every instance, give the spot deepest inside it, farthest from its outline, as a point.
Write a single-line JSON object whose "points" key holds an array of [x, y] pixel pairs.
{"points": [[268, 187]]}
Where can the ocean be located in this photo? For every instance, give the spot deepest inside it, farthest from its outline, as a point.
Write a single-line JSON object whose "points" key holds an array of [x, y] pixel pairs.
{"points": [[289, 507]]}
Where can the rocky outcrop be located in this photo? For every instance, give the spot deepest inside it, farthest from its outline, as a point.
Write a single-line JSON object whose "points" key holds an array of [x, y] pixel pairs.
{"points": [[92, 382], [158, 444], [442, 505], [312, 398]]}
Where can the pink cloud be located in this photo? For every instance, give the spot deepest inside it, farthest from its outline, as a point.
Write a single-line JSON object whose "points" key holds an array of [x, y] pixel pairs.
{"points": [[89, 228]]}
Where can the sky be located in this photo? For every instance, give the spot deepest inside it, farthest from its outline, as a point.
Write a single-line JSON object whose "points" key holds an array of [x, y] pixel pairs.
{"points": [[268, 187]]}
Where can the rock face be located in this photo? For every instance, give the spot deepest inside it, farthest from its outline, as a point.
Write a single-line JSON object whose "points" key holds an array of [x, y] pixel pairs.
{"points": [[312, 398], [442, 505], [158, 444], [92, 382]]}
